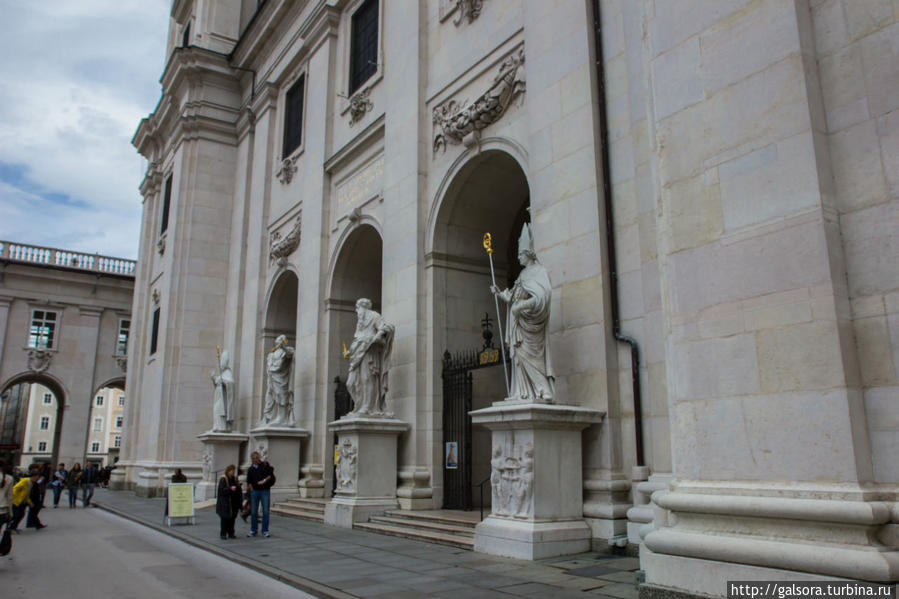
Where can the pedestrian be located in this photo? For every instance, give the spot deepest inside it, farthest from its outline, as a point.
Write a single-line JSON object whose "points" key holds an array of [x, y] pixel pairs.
{"points": [[36, 495], [44, 481], [73, 483], [228, 500], [179, 477], [260, 478], [21, 498], [88, 483], [6, 485], [58, 483]]}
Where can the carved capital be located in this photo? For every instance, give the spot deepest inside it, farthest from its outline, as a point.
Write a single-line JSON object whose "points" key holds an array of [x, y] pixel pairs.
{"points": [[456, 124]]}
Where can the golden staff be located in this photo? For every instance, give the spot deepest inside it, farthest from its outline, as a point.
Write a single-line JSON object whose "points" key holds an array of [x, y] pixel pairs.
{"points": [[346, 352], [488, 245]]}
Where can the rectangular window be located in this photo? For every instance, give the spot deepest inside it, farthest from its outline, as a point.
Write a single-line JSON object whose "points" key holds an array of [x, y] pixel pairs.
{"points": [[43, 329], [154, 332], [48, 398], [121, 400], [99, 400], [166, 202], [98, 424], [363, 45], [293, 117], [45, 423], [42, 446], [118, 422], [117, 441], [122, 340], [95, 447]]}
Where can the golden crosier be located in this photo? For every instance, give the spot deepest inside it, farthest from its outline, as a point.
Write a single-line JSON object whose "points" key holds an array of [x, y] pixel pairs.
{"points": [[488, 243]]}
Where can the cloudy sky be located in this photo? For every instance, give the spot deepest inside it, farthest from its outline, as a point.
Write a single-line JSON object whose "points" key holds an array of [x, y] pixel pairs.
{"points": [[76, 77]]}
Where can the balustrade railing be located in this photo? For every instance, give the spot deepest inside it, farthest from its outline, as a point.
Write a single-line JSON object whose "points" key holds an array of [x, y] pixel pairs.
{"points": [[33, 254]]}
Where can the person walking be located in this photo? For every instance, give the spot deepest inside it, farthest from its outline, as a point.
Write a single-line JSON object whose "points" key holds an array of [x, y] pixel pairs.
{"points": [[89, 483], [58, 483], [21, 498], [36, 495], [6, 485], [260, 478], [44, 481], [228, 500], [73, 483]]}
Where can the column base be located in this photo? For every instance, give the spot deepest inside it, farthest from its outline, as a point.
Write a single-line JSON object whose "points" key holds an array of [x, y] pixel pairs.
{"points": [[344, 512], [531, 540]]}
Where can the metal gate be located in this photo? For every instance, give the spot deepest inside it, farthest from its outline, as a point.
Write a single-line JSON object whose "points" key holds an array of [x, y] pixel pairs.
{"points": [[457, 396], [343, 405]]}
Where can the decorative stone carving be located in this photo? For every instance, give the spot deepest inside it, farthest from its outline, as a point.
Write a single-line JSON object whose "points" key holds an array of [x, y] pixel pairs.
{"points": [[458, 124], [207, 464], [346, 466], [278, 396], [512, 481], [122, 362], [156, 296], [527, 326], [280, 249], [467, 8], [39, 360], [223, 397], [262, 450], [359, 105], [160, 245], [287, 169], [369, 357]]}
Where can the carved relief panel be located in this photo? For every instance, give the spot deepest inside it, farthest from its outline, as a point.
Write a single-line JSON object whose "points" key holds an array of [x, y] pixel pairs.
{"points": [[512, 480]]}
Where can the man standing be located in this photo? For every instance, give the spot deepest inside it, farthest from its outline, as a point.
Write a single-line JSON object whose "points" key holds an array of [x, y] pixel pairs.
{"points": [[260, 478], [88, 483]]}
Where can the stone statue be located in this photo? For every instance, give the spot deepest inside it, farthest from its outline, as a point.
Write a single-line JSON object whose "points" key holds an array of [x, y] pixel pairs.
{"points": [[223, 397], [527, 326], [369, 357], [278, 396]]}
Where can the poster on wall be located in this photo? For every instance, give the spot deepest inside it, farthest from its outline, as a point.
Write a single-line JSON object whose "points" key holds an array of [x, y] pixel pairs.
{"points": [[451, 460]]}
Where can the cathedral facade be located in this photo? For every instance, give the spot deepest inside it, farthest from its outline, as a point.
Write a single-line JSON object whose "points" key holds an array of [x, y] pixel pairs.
{"points": [[708, 186]]}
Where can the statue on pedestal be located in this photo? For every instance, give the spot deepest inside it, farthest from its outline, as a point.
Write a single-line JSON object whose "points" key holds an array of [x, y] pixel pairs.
{"points": [[278, 396], [527, 326], [369, 357], [223, 397]]}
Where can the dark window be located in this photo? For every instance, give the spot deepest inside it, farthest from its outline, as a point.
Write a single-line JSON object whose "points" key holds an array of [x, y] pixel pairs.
{"points": [[293, 117], [43, 328], [364, 44], [122, 339], [185, 37], [154, 334], [166, 200]]}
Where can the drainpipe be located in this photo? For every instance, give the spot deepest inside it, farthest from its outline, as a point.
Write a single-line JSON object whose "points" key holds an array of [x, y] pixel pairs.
{"points": [[610, 235]]}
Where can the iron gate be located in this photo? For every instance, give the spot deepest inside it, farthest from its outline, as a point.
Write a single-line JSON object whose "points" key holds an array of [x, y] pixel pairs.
{"points": [[457, 396]]}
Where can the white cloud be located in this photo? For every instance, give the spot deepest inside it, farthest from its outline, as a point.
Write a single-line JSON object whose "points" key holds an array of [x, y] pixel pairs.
{"points": [[77, 79]]}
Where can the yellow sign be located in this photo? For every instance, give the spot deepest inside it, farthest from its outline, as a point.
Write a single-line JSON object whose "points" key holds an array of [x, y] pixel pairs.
{"points": [[488, 356], [336, 455], [181, 500]]}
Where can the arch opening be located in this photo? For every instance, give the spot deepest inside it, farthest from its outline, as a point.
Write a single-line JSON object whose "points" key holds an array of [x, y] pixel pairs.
{"points": [[31, 412]]}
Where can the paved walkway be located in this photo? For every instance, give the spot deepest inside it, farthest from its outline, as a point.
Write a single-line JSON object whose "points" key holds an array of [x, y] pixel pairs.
{"points": [[327, 561]]}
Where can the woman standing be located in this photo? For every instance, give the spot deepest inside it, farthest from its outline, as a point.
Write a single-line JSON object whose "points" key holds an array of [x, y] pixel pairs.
{"points": [[73, 483], [227, 504]]}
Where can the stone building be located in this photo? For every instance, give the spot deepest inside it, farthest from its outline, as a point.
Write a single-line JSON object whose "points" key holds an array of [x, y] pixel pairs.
{"points": [[712, 189]]}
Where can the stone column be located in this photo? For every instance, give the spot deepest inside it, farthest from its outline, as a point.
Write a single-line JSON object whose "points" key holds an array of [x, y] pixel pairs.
{"points": [[536, 480], [280, 446], [366, 469], [219, 450]]}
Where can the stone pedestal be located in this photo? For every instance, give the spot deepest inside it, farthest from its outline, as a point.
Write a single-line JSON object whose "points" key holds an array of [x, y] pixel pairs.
{"points": [[366, 469], [220, 449], [280, 446], [536, 480]]}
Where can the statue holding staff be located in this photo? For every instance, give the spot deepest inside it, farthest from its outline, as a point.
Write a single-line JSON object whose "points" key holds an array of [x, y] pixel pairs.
{"points": [[223, 397], [278, 396], [369, 357], [527, 326]]}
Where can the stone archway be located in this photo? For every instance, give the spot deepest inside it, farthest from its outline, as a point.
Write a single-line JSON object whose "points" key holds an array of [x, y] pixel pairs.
{"points": [[488, 193], [17, 409]]}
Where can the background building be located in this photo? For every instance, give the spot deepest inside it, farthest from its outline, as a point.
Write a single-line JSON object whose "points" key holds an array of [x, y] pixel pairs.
{"points": [[710, 189]]}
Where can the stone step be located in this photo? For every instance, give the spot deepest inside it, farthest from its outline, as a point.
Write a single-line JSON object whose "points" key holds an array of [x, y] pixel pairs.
{"points": [[421, 524], [295, 512], [305, 504], [437, 516], [418, 534]]}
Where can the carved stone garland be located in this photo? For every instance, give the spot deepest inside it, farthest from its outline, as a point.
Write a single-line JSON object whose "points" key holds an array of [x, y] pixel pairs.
{"points": [[359, 105], [458, 124], [280, 249]]}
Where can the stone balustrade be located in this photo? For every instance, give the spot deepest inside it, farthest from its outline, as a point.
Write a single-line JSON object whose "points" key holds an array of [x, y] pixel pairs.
{"points": [[33, 254]]}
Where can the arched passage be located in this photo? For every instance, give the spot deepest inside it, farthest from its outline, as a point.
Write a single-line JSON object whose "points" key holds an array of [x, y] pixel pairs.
{"points": [[31, 413], [489, 193]]}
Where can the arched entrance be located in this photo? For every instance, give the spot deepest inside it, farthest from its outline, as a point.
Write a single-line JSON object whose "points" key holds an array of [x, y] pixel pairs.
{"points": [[31, 414], [104, 434], [489, 193]]}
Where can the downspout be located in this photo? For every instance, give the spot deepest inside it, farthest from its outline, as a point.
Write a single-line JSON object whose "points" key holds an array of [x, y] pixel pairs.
{"points": [[610, 235]]}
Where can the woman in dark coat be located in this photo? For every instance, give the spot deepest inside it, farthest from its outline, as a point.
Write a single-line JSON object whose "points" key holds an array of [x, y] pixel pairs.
{"points": [[227, 504]]}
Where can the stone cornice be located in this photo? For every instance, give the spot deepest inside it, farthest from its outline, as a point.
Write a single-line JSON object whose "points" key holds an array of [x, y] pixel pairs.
{"points": [[251, 44]]}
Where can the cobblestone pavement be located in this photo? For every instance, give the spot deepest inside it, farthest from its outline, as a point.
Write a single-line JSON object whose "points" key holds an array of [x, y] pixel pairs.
{"points": [[327, 561]]}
